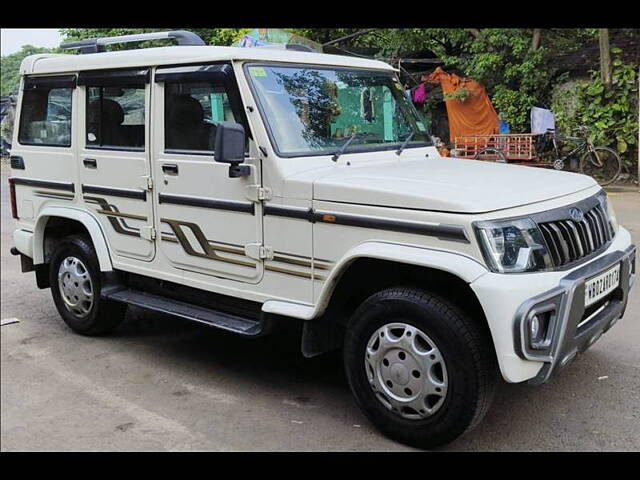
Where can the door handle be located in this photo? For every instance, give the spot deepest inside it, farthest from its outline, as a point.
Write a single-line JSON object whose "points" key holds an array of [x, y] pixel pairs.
{"points": [[170, 168], [90, 163]]}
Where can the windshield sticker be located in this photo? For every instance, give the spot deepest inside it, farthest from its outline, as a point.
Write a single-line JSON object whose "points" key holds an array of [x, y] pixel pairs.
{"points": [[341, 85], [257, 72], [421, 126]]}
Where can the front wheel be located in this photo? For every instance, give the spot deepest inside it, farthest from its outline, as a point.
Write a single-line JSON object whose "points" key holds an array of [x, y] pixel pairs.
{"points": [[421, 370], [603, 164]]}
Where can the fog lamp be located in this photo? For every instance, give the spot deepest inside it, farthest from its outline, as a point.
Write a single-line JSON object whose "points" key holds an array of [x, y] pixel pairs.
{"points": [[539, 334], [534, 327]]}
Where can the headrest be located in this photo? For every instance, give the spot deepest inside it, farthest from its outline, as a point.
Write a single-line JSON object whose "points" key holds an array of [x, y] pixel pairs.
{"points": [[186, 110], [111, 111]]}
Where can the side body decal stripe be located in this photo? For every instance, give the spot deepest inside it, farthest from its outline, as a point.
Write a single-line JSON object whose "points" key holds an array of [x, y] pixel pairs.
{"points": [[207, 203], [115, 192], [68, 187], [449, 232]]}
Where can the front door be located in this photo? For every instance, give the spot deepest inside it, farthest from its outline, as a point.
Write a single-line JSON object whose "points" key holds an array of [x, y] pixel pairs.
{"points": [[206, 221], [114, 159]]}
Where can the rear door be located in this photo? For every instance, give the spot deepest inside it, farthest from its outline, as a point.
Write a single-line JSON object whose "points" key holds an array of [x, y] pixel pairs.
{"points": [[42, 153], [113, 157], [207, 222]]}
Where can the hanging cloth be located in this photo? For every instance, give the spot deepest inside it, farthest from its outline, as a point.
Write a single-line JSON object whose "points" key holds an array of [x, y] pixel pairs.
{"points": [[473, 116], [420, 94], [542, 120]]}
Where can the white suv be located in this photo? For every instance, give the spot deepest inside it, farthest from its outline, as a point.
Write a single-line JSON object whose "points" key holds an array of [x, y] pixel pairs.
{"points": [[238, 187]]}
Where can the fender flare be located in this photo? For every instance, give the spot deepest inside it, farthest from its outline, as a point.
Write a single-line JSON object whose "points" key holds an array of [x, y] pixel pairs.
{"points": [[462, 266], [459, 265], [87, 220]]}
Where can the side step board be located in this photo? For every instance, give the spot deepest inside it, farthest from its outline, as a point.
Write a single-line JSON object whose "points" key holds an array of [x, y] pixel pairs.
{"points": [[243, 326]]}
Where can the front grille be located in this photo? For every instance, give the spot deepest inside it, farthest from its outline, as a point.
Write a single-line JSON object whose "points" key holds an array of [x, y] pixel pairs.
{"points": [[569, 241]]}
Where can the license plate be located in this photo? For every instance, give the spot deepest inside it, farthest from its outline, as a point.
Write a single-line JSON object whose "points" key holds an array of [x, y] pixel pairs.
{"points": [[601, 285]]}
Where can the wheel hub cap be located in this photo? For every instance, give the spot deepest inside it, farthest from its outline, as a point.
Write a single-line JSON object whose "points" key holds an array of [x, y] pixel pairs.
{"points": [[76, 288], [406, 371]]}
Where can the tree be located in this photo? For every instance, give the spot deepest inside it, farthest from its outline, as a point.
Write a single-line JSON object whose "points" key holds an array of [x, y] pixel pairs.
{"points": [[513, 64], [10, 68], [605, 57]]}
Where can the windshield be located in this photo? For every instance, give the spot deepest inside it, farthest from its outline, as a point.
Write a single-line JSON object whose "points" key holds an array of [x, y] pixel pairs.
{"points": [[314, 111]]}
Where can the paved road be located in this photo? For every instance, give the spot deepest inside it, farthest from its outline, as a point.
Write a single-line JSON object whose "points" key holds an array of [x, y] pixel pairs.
{"points": [[163, 384]]}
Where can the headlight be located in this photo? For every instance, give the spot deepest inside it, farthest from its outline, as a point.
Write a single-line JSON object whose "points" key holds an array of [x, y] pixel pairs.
{"points": [[513, 246], [607, 206]]}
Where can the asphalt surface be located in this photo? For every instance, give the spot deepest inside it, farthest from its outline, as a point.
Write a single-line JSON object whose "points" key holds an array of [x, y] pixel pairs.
{"points": [[164, 384]]}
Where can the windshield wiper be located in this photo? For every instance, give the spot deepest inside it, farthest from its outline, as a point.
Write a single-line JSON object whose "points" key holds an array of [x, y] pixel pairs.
{"points": [[336, 155], [406, 141]]}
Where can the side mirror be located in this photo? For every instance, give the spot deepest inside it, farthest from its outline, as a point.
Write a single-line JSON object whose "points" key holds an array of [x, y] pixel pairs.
{"points": [[229, 148]]}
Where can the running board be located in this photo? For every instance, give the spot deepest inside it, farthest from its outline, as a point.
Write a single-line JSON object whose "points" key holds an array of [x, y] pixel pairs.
{"points": [[241, 325]]}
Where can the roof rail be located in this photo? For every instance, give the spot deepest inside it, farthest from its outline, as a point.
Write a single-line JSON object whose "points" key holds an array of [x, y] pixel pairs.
{"points": [[96, 45], [287, 46]]}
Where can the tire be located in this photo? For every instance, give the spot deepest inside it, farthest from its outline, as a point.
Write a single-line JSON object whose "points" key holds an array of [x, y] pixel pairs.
{"points": [[467, 372], [491, 155], [610, 169], [77, 294]]}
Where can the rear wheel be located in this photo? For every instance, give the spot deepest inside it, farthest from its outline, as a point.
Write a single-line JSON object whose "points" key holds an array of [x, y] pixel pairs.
{"points": [[603, 164], [75, 281], [420, 369]]}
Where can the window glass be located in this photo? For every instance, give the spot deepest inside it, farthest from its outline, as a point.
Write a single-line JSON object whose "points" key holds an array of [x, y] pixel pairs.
{"points": [[317, 110], [115, 117], [45, 118], [192, 111]]}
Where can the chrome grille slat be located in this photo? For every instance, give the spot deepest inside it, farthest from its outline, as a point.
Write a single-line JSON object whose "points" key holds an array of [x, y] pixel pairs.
{"points": [[566, 233], [587, 229], [548, 237], [578, 240], [594, 228], [561, 244], [603, 222], [569, 240]]}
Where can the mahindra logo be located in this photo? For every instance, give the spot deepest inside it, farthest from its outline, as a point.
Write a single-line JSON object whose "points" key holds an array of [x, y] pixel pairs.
{"points": [[576, 214]]}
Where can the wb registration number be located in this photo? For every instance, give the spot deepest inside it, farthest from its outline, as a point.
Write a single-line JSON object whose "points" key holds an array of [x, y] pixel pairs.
{"points": [[601, 285]]}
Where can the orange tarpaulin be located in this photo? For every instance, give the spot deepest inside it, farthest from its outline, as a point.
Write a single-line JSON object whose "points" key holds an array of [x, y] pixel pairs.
{"points": [[473, 116]]}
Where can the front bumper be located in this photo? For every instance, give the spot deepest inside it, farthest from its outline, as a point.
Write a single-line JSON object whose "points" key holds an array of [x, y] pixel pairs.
{"points": [[573, 328]]}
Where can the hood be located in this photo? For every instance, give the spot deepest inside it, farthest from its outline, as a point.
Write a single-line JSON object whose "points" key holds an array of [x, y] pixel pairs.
{"points": [[446, 184]]}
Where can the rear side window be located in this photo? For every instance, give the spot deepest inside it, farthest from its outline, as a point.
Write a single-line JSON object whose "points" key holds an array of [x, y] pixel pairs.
{"points": [[192, 111], [45, 117], [115, 117]]}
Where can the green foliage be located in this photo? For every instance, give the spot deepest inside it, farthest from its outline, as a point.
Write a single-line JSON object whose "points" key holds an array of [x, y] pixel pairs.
{"points": [[516, 76], [461, 95], [610, 115], [10, 68]]}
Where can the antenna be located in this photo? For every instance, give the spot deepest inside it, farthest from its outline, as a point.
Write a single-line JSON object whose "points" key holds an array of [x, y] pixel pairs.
{"points": [[96, 45]]}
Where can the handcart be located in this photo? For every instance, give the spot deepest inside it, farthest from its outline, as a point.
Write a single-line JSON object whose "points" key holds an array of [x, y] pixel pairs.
{"points": [[542, 150], [506, 148]]}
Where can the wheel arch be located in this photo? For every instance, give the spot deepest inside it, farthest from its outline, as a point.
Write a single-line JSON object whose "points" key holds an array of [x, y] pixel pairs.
{"points": [[408, 257], [374, 266], [69, 220]]}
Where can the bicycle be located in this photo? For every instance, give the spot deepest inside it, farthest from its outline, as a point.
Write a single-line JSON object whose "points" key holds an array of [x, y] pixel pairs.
{"points": [[601, 163]]}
